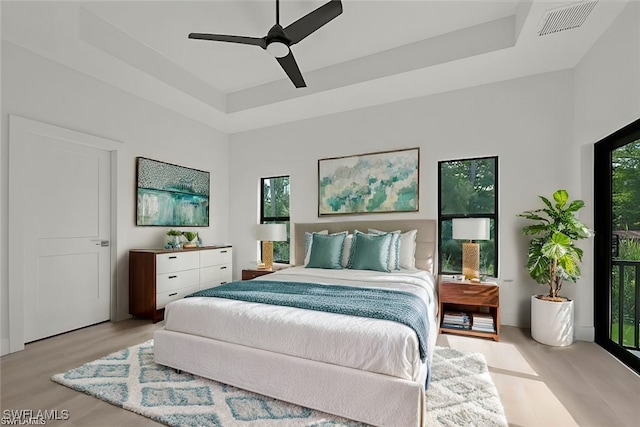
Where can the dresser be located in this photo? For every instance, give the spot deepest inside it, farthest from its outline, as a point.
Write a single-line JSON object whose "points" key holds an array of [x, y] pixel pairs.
{"points": [[159, 276]]}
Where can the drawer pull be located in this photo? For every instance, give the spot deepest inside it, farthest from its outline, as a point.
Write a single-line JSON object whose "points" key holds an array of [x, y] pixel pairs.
{"points": [[222, 268], [173, 294], [173, 257], [172, 277], [223, 252], [222, 283]]}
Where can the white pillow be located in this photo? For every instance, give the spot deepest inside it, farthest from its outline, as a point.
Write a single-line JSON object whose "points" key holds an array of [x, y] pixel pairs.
{"points": [[407, 258], [308, 241], [394, 253]]}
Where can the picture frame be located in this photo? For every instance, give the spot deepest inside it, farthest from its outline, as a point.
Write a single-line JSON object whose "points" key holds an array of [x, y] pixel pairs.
{"points": [[171, 195], [378, 182]]}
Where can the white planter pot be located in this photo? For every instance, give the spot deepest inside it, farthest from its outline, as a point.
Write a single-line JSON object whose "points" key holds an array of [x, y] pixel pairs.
{"points": [[552, 322]]}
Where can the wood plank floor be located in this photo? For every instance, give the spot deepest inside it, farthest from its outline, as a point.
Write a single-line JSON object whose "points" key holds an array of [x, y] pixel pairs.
{"points": [[539, 385]]}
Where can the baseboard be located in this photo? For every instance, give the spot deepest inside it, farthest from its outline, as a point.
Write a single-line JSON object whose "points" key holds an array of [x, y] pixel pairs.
{"points": [[584, 333]]}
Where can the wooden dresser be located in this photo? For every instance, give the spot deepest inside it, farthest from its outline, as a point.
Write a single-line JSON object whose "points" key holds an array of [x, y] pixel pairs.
{"points": [[159, 276]]}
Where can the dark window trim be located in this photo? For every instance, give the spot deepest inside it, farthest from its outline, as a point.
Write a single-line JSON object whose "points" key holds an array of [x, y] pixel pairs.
{"points": [[493, 216]]}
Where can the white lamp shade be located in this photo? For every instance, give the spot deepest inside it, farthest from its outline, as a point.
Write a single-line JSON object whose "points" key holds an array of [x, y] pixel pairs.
{"points": [[471, 228], [271, 232]]}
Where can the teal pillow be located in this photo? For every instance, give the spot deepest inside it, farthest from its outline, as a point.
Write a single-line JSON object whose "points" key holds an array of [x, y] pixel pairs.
{"points": [[326, 251], [370, 252]]}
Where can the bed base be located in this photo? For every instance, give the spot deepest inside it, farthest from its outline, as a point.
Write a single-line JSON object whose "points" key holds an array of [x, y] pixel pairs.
{"points": [[375, 399]]}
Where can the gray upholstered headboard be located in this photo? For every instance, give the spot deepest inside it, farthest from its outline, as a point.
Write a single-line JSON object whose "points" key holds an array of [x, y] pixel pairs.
{"points": [[425, 238]]}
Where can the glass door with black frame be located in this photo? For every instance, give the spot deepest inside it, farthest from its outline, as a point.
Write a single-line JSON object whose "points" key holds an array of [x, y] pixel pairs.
{"points": [[617, 198]]}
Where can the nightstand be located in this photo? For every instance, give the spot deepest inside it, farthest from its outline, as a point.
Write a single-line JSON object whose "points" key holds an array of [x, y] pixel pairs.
{"points": [[248, 274], [478, 301]]}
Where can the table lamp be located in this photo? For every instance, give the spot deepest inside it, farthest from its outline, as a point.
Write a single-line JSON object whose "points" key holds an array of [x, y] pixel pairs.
{"points": [[471, 229], [269, 233]]}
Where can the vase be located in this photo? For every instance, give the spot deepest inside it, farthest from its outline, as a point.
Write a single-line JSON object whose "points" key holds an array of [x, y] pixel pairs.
{"points": [[552, 322]]}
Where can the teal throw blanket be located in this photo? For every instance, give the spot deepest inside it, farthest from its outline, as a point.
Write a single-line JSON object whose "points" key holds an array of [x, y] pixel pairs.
{"points": [[397, 306]]}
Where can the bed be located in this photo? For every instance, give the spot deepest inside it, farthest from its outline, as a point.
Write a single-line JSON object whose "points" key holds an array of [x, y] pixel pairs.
{"points": [[371, 370]]}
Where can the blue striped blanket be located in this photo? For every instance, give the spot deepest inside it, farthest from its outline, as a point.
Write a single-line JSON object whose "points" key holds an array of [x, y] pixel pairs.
{"points": [[386, 304]]}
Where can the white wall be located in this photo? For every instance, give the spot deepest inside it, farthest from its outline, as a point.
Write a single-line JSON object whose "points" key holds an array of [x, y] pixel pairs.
{"points": [[38, 89], [607, 97], [526, 122]]}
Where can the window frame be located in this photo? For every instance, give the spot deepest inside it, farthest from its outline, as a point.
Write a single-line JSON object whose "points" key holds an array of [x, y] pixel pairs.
{"points": [[448, 217], [276, 219]]}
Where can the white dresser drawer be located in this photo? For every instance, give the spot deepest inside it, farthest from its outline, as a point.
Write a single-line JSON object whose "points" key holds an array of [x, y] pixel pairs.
{"points": [[215, 257], [177, 280], [216, 275], [165, 298], [177, 261]]}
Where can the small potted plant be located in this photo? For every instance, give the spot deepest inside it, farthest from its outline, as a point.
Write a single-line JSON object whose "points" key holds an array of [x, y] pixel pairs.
{"points": [[191, 236], [174, 238], [553, 258]]}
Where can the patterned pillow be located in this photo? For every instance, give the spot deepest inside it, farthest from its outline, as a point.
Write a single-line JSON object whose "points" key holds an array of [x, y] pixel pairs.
{"points": [[394, 253]]}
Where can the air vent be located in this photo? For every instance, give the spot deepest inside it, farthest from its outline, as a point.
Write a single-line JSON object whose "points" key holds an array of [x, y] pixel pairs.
{"points": [[565, 17]]}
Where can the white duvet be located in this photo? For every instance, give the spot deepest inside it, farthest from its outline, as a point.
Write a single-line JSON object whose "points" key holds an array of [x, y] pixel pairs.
{"points": [[374, 345]]}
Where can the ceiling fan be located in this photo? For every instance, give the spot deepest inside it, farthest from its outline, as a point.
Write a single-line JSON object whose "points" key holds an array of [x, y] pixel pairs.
{"points": [[278, 40]]}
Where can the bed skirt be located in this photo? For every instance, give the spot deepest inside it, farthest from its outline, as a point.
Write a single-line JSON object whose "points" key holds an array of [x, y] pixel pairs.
{"points": [[375, 399]]}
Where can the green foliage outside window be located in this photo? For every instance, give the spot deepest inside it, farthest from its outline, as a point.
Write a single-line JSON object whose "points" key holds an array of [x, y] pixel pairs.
{"points": [[468, 188], [275, 209]]}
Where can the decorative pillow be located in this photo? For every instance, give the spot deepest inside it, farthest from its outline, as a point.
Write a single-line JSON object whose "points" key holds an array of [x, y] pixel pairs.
{"points": [[370, 252], [326, 251], [308, 241], [394, 253], [346, 250], [407, 258]]}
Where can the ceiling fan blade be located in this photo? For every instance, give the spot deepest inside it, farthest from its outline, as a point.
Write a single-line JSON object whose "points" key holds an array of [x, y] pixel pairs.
{"points": [[289, 65], [312, 21], [232, 39]]}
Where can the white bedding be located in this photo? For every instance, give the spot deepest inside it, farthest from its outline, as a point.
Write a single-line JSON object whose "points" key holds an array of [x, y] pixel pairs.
{"points": [[373, 345]]}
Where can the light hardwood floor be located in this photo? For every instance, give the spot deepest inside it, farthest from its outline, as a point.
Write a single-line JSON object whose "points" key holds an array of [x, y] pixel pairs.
{"points": [[539, 385]]}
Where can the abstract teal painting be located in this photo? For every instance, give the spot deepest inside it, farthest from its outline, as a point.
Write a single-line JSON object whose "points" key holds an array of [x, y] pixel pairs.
{"points": [[385, 181], [171, 195]]}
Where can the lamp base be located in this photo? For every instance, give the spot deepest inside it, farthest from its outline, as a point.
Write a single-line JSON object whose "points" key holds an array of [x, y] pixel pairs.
{"points": [[267, 254], [471, 260]]}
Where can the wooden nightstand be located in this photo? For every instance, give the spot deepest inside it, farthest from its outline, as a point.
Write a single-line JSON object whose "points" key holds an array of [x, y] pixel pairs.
{"points": [[472, 299], [248, 274]]}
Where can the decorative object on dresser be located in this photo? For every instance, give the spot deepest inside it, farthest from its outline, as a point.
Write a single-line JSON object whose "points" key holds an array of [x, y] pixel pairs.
{"points": [[269, 233], [171, 195], [552, 259], [471, 229], [158, 276], [469, 308], [386, 181], [191, 237]]}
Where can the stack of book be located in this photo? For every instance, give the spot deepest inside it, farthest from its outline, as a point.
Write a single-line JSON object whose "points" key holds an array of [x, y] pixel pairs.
{"points": [[456, 320], [483, 322]]}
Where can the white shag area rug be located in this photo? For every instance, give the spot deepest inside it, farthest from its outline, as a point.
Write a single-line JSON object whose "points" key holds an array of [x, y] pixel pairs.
{"points": [[461, 393]]}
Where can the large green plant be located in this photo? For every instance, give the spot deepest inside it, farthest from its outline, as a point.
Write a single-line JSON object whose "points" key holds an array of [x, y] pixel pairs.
{"points": [[552, 256]]}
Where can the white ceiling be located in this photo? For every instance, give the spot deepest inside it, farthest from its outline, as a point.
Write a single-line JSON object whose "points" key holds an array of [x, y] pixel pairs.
{"points": [[375, 52]]}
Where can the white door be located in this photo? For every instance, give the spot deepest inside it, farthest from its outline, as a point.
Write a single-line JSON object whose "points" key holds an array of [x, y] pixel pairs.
{"points": [[66, 229]]}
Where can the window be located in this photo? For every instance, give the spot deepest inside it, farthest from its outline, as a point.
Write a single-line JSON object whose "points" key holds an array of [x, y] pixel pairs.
{"points": [[275, 209], [468, 189]]}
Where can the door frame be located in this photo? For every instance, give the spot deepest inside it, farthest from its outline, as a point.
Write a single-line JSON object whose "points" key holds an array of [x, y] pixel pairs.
{"points": [[603, 215], [17, 160]]}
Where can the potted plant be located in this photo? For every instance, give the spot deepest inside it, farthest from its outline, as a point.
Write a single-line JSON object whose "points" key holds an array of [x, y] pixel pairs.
{"points": [[174, 238], [552, 259], [191, 237]]}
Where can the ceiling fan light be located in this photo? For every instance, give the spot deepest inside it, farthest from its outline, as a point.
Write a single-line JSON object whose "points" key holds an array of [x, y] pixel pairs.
{"points": [[278, 49]]}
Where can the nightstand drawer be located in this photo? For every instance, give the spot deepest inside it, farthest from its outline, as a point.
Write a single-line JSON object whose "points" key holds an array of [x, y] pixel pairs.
{"points": [[469, 294]]}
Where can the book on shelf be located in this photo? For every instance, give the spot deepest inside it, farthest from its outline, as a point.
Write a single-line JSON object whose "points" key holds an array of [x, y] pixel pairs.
{"points": [[456, 326], [483, 322]]}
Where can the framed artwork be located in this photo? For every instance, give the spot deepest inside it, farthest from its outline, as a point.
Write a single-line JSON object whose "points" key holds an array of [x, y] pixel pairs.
{"points": [[171, 195], [385, 181]]}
